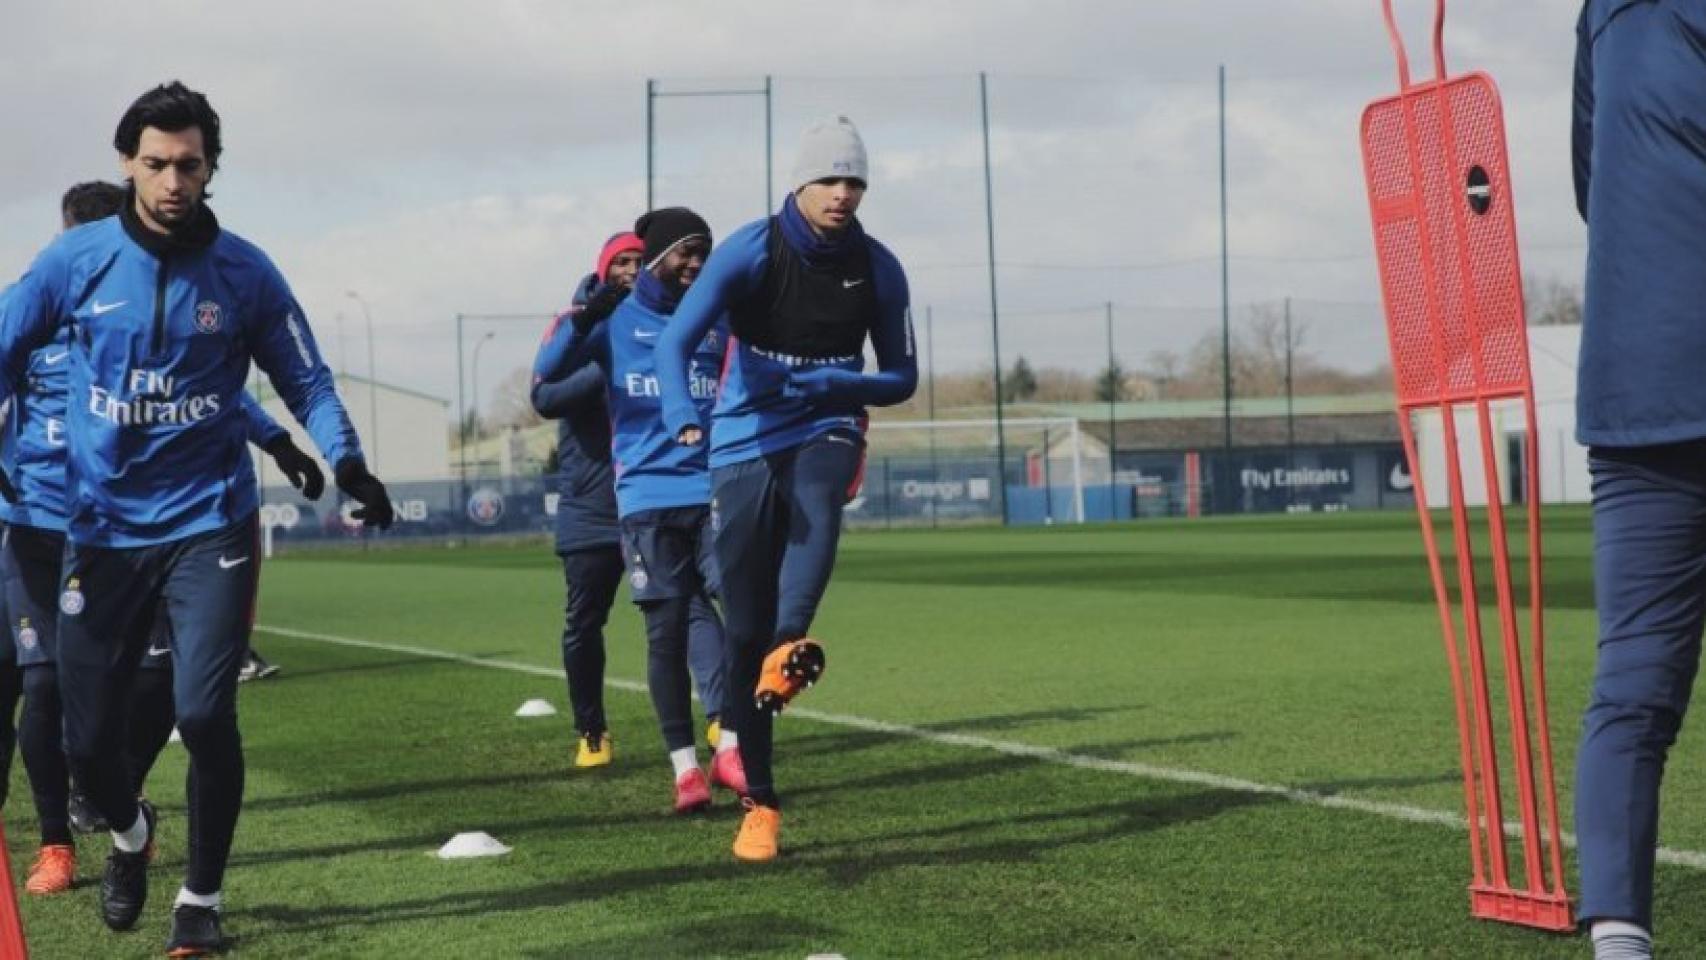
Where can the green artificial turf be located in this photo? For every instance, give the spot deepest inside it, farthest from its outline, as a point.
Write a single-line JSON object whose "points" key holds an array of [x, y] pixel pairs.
{"points": [[1299, 652]]}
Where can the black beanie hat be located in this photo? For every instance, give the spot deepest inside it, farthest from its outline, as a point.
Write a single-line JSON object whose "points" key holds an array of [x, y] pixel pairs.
{"points": [[661, 230]]}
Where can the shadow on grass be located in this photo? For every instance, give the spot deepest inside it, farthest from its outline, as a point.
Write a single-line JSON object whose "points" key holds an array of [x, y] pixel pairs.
{"points": [[427, 841], [287, 674], [988, 765], [840, 863], [842, 741], [1334, 787], [741, 934], [394, 789]]}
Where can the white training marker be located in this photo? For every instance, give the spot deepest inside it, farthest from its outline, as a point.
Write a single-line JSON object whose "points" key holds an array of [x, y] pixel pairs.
{"points": [[176, 737], [465, 846], [536, 708]]}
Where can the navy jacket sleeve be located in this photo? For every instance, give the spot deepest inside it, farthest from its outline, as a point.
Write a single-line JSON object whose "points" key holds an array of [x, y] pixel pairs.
{"points": [[567, 377], [263, 429], [284, 348], [582, 390], [734, 270]]}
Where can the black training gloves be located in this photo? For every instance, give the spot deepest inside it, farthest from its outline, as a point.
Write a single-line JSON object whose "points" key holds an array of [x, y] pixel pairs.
{"points": [[601, 306], [365, 489], [299, 467]]}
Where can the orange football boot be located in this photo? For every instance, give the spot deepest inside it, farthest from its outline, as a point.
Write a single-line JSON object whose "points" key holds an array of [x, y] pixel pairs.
{"points": [[788, 670], [54, 871], [759, 832]]}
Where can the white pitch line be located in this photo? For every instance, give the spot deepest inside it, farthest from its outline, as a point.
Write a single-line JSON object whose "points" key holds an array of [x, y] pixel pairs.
{"points": [[1395, 811]]}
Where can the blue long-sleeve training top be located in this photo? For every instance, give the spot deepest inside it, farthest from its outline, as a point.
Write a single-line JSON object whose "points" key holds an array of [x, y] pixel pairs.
{"points": [[799, 312], [32, 451], [586, 478], [160, 333], [1639, 152], [653, 472]]}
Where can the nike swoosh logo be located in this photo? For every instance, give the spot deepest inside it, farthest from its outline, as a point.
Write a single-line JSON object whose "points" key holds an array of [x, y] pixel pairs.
{"points": [[52, 358], [159, 651], [834, 438], [645, 334], [225, 564], [97, 308], [1400, 478], [850, 284]]}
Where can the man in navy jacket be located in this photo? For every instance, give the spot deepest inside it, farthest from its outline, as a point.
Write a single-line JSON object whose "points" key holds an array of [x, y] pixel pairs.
{"points": [[1640, 170]]}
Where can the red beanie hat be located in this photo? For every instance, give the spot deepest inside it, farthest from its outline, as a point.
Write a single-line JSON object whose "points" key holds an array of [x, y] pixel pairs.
{"points": [[618, 244]]}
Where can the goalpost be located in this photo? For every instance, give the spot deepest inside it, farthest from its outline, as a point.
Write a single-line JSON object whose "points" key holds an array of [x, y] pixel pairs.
{"points": [[932, 470]]}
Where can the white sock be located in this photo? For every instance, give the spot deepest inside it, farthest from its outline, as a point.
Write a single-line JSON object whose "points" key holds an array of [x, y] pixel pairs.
{"points": [[1617, 940], [134, 839], [684, 760], [186, 898], [728, 741]]}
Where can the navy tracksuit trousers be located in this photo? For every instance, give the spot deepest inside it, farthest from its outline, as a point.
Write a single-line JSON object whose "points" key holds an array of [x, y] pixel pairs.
{"points": [[778, 521], [591, 577], [1649, 516], [107, 607]]}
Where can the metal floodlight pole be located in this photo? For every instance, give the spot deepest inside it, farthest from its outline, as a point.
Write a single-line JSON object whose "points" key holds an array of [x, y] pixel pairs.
{"points": [[769, 148], [930, 381], [1113, 395], [1290, 420], [653, 94], [651, 126], [1225, 301], [343, 346], [930, 357], [994, 308], [372, 381], [461, 406], [490, 335]]}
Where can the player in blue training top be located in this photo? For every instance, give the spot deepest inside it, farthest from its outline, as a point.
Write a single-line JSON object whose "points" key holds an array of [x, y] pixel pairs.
{"points": [[662, 488], [802, 291], [587, 534], [164, 312], [32, 452]]}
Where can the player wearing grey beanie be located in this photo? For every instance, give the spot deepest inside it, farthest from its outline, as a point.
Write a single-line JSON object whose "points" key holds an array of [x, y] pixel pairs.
{"points": [[830, 149], [805, 292]]}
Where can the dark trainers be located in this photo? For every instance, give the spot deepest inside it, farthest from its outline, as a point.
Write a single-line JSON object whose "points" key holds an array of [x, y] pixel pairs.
{"points": [[195, 932], [124, 885], [84, 817]]}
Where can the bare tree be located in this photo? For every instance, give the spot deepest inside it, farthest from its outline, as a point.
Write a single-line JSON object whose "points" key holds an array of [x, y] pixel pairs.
{"points": [[1551, 302], [512, 404]]}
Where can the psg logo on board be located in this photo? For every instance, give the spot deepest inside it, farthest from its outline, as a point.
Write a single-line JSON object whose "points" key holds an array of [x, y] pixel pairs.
{"points": [[207, 316], [486, 507]]}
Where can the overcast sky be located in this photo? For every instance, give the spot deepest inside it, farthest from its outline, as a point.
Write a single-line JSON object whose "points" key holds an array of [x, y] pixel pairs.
{"points": [[461, 157]]}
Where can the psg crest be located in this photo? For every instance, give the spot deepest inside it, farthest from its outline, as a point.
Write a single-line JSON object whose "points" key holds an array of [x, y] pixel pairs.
{"points": [[486, 507], [207, 316]]}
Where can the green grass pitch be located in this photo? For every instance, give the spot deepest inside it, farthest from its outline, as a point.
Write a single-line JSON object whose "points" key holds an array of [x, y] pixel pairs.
{"points": [[1028, 743]]}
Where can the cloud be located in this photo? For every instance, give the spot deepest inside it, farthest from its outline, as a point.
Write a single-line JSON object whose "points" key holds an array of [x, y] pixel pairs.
{"points": [[463, 157]]}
